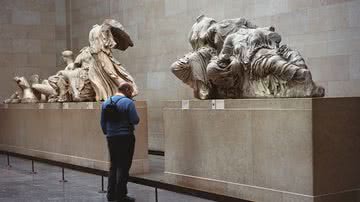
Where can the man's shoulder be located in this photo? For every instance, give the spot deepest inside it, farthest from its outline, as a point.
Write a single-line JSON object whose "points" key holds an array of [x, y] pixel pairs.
{"points": [[118, 99], [125, 100], [104, 103]]}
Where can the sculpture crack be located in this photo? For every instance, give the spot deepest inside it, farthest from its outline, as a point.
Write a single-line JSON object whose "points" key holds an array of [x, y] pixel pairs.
{"points": [[234, 58], [94, 75]]}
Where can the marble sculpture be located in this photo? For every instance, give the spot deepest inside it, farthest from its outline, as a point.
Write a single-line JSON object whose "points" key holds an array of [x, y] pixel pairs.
{"points": [[94, 74], [234, 58]]}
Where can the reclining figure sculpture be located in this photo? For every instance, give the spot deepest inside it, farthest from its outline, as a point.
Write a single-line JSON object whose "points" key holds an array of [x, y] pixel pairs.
{"points": [[234, 58], [94, 75]]}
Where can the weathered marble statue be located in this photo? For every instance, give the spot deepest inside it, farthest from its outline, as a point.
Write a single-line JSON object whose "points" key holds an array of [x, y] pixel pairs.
{"points": [[236, 59], [56, 88], [27, 93], [13, 99], [104, 71], [94, 75]]}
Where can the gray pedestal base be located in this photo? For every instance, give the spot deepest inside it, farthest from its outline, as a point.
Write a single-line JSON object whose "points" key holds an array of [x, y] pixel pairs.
{"points": [[266, 149], [68, 133]]}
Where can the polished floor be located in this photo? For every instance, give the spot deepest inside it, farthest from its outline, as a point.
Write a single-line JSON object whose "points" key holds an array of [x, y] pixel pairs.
{"points": [[17, 183]]}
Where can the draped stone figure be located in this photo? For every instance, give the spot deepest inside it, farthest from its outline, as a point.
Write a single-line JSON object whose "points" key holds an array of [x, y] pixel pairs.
{"points": [[94, 75], [105, 72], [234, 58]]}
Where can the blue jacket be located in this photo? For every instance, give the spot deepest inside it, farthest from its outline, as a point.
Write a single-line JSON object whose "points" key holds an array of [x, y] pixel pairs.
{"points": [[128, 117]]}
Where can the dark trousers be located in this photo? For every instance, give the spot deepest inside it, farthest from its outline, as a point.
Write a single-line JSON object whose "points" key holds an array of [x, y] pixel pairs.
{"points": [[121, 149]]}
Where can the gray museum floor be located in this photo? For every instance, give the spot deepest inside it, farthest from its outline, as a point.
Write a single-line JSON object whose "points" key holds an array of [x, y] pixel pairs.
{"points": [[18, 184]]}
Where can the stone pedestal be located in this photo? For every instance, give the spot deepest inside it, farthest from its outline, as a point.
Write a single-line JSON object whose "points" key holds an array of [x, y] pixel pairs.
{"points": [[68, 132], [280, 150]]}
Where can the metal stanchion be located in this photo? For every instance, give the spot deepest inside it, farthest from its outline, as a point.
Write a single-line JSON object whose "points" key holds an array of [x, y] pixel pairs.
{"points": [[102, 185], [63, 175], [8, 160], [32, 167], [156, 194]]}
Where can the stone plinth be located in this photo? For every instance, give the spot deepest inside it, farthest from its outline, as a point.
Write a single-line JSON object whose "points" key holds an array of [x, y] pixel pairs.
{"points": [[68, 132], [280, 150]]}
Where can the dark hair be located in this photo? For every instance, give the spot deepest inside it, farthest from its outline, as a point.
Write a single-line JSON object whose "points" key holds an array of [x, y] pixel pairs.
{"points": [[125, 87]]}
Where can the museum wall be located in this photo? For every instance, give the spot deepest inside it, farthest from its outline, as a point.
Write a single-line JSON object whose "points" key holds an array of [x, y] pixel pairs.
{"points": [[32, 35], [158, 41], [326, 32]]}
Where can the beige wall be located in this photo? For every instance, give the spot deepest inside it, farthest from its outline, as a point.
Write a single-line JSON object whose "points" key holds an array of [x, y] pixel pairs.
{"points": [[327, 32], [32, 35]]}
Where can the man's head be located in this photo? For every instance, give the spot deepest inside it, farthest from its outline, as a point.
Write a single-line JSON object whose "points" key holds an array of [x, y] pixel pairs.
{"points": [[126, 89], [67, 56]]}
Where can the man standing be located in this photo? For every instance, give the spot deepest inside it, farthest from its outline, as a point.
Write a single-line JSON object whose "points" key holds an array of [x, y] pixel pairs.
{"points": [[118, 118]]}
